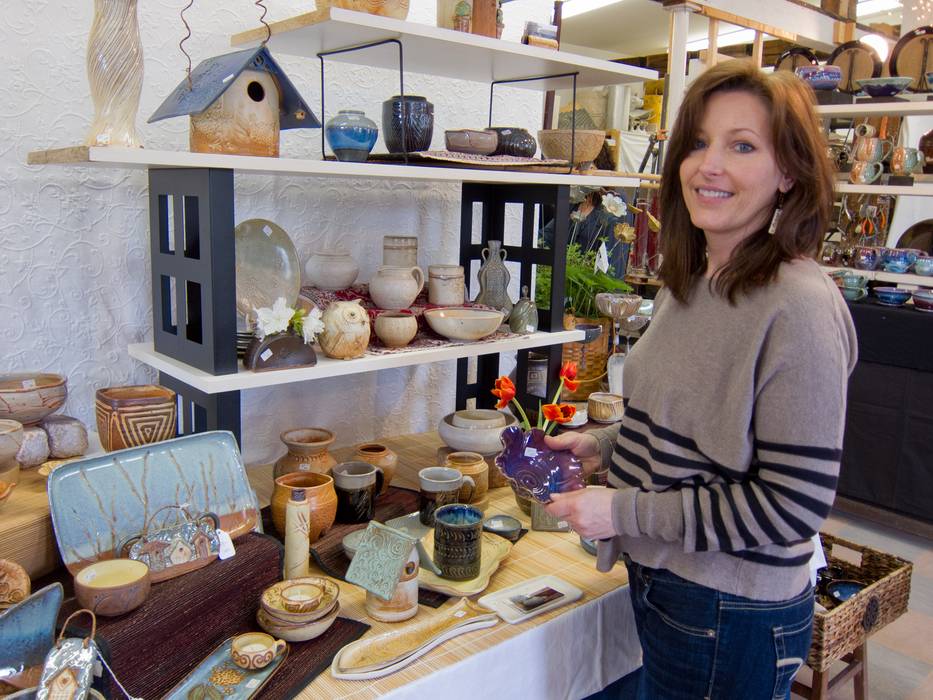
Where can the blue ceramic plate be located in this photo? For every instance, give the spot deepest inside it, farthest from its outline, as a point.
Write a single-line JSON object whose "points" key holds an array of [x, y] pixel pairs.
{"points": [[99, 502], [249, 683]]}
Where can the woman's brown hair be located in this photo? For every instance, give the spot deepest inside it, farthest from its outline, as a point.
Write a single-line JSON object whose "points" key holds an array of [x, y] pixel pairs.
{"points": [[800, 151]]}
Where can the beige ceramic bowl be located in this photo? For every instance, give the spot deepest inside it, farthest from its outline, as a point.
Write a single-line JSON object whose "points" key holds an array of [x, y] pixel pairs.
{"points": [[395, 328], [604, 407], [297, 633], [478, 418], [555, 143], [301, 597], [112, 587], [463, 323], [274, 607], [483, 440], [352, 541], [28, 397]]}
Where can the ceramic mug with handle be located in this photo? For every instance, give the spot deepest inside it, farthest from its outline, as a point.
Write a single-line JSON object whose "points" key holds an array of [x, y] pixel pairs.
{"points": [[906, 160], [873, 149], [865, 172]]}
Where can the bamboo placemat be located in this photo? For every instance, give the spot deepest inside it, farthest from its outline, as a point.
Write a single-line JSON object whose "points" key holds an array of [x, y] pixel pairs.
{"points": [[535, 554]]}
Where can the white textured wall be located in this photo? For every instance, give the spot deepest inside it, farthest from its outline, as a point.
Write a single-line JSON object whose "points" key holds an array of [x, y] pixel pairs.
{"points": [[74, 263]]}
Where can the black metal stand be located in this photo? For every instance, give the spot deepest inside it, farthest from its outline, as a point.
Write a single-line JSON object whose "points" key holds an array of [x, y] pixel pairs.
{"points": [[493, 199], [200, 412]]}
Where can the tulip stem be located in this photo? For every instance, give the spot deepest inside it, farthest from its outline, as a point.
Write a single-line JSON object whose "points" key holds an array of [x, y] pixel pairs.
{"points": [[525, 422]]}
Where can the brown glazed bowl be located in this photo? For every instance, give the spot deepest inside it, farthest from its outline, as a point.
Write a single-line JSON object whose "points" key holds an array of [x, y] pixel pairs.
{"points": [[113, 586], [28, 397], [130, 416]]}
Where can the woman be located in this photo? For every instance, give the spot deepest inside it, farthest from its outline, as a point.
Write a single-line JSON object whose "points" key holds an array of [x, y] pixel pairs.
{"points": [[726, 460]]}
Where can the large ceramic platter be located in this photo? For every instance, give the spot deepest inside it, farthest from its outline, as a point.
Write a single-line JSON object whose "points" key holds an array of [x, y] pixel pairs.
{"points": [[218, 676], [373, 657], [267, 266], [99, 502], [495, 549]]}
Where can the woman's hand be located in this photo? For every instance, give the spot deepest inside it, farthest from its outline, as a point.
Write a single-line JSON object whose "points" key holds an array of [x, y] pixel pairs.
{"points": [[584, 447], [589, 511]]}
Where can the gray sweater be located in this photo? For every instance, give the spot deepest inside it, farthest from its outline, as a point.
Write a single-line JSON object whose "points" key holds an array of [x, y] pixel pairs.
{"points": [[727, 456]]}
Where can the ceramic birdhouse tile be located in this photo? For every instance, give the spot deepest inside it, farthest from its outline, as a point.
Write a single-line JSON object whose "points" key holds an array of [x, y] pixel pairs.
{"points": [[380, 559]]}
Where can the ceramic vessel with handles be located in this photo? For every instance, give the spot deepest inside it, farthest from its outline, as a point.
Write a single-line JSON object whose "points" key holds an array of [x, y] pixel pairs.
{"points": [[494, 279], [346, 330], [906, 160], [865, 172], [394, 288], [873, 149]]}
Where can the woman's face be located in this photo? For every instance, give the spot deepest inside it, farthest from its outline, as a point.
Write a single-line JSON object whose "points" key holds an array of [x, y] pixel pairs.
{"points": [[730, 178]]}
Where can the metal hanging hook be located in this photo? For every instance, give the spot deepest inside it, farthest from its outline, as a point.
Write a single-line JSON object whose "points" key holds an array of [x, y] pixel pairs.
{"points": [[262, 20], [181, 44]]}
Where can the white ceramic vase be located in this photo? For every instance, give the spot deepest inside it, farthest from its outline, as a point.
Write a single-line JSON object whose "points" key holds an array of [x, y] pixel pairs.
{"points": [[331, 269], [346, 330], [395, 288]]}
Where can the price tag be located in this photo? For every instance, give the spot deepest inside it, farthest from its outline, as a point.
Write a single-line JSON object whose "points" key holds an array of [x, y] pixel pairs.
{"points": [[267, 230], [29, 383], [252, 683], [228, 78], [531, 452], [98, 669], [266, 354], [227, 549], [460, 613]]}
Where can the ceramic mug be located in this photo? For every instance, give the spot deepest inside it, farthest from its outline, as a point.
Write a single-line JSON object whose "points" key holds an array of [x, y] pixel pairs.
{"points": [[865, 172], [440, 486], [255, 650], [357, 485], [864, 130], [906, 160], [873, 149], [458, 538]]}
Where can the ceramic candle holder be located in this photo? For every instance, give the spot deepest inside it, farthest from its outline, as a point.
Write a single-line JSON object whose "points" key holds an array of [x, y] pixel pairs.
{"points": [[301, 597], [255, 650], [113, 586]]}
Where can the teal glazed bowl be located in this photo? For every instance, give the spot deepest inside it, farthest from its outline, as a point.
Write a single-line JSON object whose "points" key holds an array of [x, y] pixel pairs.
{"points": [[853, 293], [892, 296]]}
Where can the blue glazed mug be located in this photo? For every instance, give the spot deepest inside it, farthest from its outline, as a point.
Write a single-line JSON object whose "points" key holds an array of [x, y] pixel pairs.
{"points": [[458, 538], [351, 135]]}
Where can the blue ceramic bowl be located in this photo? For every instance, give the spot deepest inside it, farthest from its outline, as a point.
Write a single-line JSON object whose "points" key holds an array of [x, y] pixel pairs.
{"points": [[923, 300], [351, 135], [897, 259], [892, 296], [853, 293], [842, 590], [866, 258], [503, 525], [884, 87], [924, 265], [820, 77]]}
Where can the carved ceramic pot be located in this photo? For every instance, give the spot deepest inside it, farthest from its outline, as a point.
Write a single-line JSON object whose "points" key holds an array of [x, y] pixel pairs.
{"points": [[471, 464], [379, 455], [395, 288], [346, 330], [130, 416], [417, 116], [307, 452], [319, 490], [515, 142], [494, 279]]}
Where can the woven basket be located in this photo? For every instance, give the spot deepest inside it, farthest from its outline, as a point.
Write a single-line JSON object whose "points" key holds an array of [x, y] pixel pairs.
{"points": [[590, 358], [845, 627]]}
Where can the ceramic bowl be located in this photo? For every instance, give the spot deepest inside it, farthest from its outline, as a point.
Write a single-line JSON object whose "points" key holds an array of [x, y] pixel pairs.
{"points": [[504, 525], [867, 258], [297, 633], [351, 542], [884, 87], [852, 279], [841, 590], [11, 439], [604, 407], [463, 323], [587, 143], [892, 296], [483, 440], [853, 293], [923, 300], [301, 597], [479, 142], [897, 259], [273, 606], [478, 418], [924, 265], [820, 77], [113, 586], [28, 397]]}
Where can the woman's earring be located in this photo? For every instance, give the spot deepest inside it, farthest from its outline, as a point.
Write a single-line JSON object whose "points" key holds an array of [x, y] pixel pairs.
{"points": [[772, 229]]}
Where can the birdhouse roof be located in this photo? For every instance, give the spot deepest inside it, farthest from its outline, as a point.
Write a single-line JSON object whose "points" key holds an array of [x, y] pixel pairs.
{"points": [[214, 75]]}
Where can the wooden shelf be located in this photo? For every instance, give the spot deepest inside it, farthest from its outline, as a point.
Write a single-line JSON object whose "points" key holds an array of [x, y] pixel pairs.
{"points": [[882, 276], [919, 189], [327, 367], [878, 109], [116, 157], [435, 51]]}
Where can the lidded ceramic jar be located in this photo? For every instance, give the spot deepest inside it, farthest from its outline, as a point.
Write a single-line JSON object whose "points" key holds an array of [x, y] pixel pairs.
{"points": [[307, 452], [446, 286], [351, 135], [346, 330], [379, 455], [395, 288], [400, 251], [331, 269]]}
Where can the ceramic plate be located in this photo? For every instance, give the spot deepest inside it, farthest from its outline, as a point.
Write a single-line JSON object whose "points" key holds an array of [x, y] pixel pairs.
{"points": [[98, 502], [267, 265], [387, 653], [271, 600], [495, 549], [512, 613], [218, 676]]}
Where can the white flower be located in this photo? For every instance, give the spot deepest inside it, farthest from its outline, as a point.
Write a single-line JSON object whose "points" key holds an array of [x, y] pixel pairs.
{"points": [[274, 320], [614, 204], [311, 325]]}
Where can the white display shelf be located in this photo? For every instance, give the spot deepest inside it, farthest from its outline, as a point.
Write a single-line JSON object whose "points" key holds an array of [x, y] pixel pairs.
{"points": [[878, 109], [882, 276], [113, 156], [435, 51], [327, 367], [918, 189]]}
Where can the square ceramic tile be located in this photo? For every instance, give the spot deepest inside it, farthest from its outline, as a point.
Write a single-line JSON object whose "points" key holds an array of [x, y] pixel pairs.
{"points": [[380, 559]]}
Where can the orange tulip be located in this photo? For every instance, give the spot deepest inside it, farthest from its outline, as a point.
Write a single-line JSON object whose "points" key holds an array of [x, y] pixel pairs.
{"points": [[568, 374], [559, 413], [505, 391]]}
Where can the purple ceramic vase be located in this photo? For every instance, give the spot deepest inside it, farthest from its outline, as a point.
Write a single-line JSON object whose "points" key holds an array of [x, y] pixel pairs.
{"points": [[530, 464]]}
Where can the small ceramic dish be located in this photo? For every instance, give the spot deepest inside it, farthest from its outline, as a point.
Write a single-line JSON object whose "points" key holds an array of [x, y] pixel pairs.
{"points": [[351, 542], [475, 141], [271, 600], [591, 331], [297, 633], [301, 597], [28, 397], [884, 87], [463, 323], [892, 296], [604, 407], [482, 440], [478, 418], [853, 293], [113, 586], [923, 265], [841, 590], [581, 417], [923, 300], [503, 525]]}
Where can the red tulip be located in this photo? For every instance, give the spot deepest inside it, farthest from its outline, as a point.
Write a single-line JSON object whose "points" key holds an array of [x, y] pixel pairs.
{"points": [[559, 413], [505, 391], [568, 374]]}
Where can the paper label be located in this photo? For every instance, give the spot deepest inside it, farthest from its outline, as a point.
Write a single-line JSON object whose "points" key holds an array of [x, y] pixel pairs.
{"points": [[228, 78], [252, 683], [227, 549], [266, 354], [267, 230], [29, 383], [531, 452], [460, 613]]}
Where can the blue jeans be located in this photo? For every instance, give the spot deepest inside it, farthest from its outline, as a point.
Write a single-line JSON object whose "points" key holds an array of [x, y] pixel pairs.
{"points": [[698, 642]]}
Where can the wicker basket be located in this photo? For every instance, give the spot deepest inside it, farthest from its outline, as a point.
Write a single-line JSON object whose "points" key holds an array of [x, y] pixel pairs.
{"points": [[845, 627], [590, 357]]}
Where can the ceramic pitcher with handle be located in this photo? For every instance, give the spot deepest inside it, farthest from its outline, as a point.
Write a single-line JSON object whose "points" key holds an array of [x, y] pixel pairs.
{"points": [[395, 288]]}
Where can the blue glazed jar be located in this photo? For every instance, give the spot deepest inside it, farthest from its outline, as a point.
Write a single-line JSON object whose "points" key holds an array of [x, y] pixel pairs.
{"points": [[351, 135], [418, 116]]}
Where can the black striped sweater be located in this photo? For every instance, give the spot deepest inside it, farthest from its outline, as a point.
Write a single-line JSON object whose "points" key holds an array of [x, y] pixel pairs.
{"points": [[727, 456]]}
